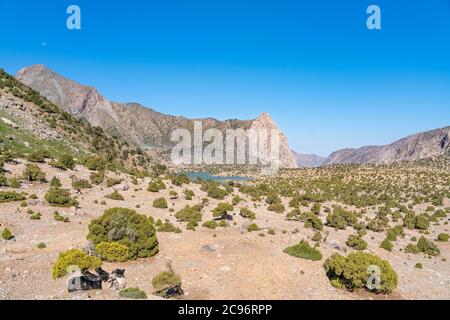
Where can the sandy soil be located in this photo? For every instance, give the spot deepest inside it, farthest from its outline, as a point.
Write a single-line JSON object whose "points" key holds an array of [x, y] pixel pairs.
{"points": [[234, 264]]}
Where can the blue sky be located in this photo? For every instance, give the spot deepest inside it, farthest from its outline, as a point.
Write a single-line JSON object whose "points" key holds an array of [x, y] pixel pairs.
{"points": [[327, 80]]}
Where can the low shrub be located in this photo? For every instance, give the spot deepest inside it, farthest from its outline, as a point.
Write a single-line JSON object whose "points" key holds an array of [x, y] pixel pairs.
{"points": [[442, 237], [111, 182], [97, 177], [112, 251], [59, 217], [386, 245], [188, 214], [428, 247], [313, 221], [11, 196], [412, 248], [7, 234], [165, 283], [253, 227], [115, 196], [276, 207], [55, 182], [74, 257], [247, 213], [341, 219], [222, 210], [133, 293], [353, 272], [168, 227], [33, 173], [41, 245], [418, 266], [356, 242], [160, 203], [156, 186], [80, 184], [65, 162], [14, 183], [188, 194], [304, 251], [210, 224], [58, 197], [128, 228]]}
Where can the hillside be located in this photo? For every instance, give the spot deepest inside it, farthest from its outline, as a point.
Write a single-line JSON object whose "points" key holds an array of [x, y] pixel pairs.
{"points": [[418, 146], [29, 123]]}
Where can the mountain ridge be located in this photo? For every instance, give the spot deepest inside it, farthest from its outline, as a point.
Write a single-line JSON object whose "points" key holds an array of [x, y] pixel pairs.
{"points": [[413, 147]]}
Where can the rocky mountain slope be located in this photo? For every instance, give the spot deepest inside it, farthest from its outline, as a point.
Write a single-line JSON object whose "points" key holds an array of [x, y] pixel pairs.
{"points": [[30, 123], [137, 124], [415, 147], [309, 160]]}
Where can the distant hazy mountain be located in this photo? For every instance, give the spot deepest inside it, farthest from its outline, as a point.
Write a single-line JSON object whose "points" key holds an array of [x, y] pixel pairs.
{"points": [[137, 124], [308, 160], [415, 147]]}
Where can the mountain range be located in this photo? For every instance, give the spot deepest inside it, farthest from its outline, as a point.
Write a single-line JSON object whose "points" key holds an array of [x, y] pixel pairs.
{"points": [[149, 129], [133, 122]]}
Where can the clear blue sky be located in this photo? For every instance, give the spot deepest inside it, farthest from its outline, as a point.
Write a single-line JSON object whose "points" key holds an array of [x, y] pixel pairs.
{"points": [[325, 78]]}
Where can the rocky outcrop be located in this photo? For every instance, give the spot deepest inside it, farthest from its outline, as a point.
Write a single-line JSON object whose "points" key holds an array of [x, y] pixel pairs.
{"points": [[415, 147], [142, 126]]}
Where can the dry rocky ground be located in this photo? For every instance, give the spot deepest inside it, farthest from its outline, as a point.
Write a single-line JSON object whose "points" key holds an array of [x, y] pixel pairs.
{"points": [[225, 263]]}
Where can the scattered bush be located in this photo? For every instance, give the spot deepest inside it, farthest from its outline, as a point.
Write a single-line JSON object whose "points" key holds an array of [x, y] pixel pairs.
{"points": [[7, 234], [55, 182], [14, 183], [210, 224], [304, 251], [247, 213], [428, 247], [341, 219], [160, 203], [188, 214], [65, 162], [133, 293], [166, 283], [412, 248], [97, 177], [58, 217], [353, 272], [33, 173], [222, 210], [188, 194], [115, 196], [313, 221], [80, 184], [111, 182], [418, 266], [58, 197], [386, 245], [168, 227], [11, 196], [95, 163], [276, 207], [112, 251], [41, 245], [356, 242], [253, 227], [128, 228], [442, 237], [156, 186], [74, 257]]}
